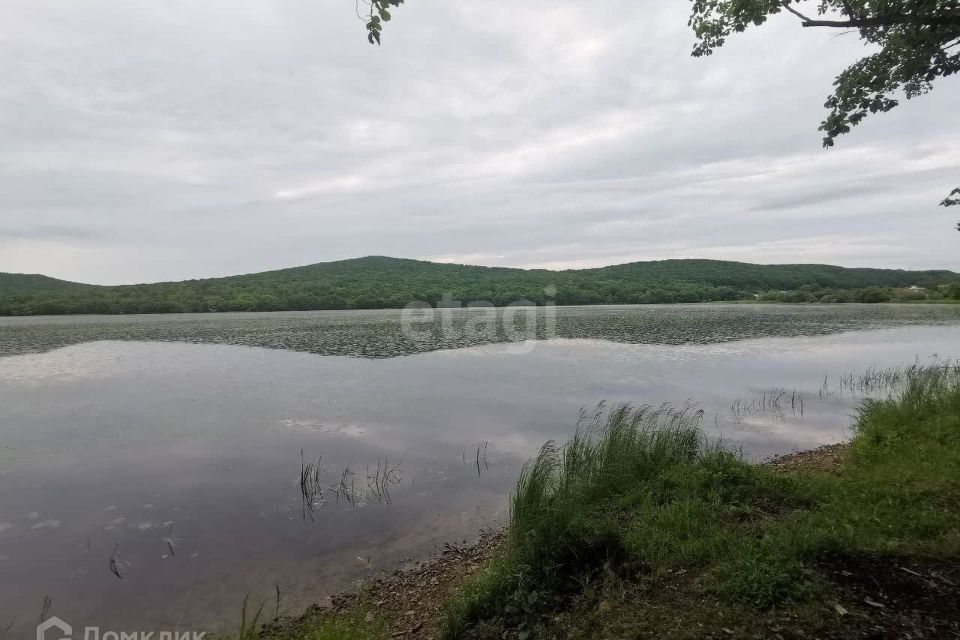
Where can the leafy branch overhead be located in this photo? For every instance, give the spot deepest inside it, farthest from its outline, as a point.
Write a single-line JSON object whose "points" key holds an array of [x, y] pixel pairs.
{"points": [[379, 13], [917, 41]]}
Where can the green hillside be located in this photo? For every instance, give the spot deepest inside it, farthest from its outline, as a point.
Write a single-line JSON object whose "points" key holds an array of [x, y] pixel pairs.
{"points": [[30, 284], [380, 282]]}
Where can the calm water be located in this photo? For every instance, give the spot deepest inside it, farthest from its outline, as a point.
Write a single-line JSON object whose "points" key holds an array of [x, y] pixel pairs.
{"points": [[176, 462]]}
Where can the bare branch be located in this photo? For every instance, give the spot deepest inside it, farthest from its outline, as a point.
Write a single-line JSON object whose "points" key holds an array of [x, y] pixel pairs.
{"points": [[874, 21], [885, 21], [788, 7]]}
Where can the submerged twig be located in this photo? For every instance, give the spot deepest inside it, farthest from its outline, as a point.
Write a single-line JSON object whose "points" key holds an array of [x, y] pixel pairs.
{"points": [[115, 561], [276, 586], [170, 540], [45, 609]]}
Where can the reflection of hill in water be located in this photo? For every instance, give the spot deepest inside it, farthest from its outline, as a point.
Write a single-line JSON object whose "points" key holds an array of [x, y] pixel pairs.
{"points": [[381, 334]]}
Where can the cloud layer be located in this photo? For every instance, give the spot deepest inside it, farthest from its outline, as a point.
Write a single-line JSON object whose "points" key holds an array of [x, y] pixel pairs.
{"points": [[169, 139]]}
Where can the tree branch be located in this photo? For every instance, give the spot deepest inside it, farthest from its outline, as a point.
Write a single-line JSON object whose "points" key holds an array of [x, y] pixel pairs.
{"points": [[881, 21], [786, 5], [875, 21]]}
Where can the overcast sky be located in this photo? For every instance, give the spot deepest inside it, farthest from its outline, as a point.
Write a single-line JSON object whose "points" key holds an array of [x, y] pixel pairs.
{"points": [[149, 140]]}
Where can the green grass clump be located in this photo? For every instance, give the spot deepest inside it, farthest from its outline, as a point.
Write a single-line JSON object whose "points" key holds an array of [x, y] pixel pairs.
{"points": [[635, 492], [897, 495], [360, 623], [639, 493], [350, 628], [604, 462]]}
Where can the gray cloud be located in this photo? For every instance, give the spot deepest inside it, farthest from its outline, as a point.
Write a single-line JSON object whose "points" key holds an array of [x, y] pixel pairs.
{"points": [[171, 139], [52, 232]]}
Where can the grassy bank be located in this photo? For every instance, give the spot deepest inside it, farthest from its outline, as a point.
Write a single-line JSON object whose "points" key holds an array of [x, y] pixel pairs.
{"points": [[638, 527]]}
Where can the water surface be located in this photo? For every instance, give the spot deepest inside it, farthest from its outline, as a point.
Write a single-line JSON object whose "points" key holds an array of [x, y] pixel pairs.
{"points": [[382, 334], [177, 462]]}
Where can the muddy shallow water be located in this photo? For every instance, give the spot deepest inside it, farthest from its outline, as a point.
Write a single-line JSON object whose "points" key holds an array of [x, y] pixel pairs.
{"points": [[152, 485]]}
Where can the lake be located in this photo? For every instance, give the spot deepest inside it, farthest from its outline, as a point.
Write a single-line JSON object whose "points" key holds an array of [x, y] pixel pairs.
{"points": [[152, 467]]}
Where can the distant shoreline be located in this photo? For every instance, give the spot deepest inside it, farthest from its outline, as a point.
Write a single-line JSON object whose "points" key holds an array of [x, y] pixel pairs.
{"points": [[599, 304]]}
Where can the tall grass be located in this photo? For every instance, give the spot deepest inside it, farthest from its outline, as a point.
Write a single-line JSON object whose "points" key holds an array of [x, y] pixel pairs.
{"points": [[574, 517], [639, 492], [897, 495], [610, 454], [249, 627], [921, 389], [895, 381]]}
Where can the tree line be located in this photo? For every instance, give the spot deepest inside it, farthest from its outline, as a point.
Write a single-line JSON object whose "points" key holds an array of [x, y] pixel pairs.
{"points": [[381, 283]]}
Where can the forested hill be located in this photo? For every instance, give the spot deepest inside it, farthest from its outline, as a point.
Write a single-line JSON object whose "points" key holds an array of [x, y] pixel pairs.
{"points": [[19, 283], [380, 282]]}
